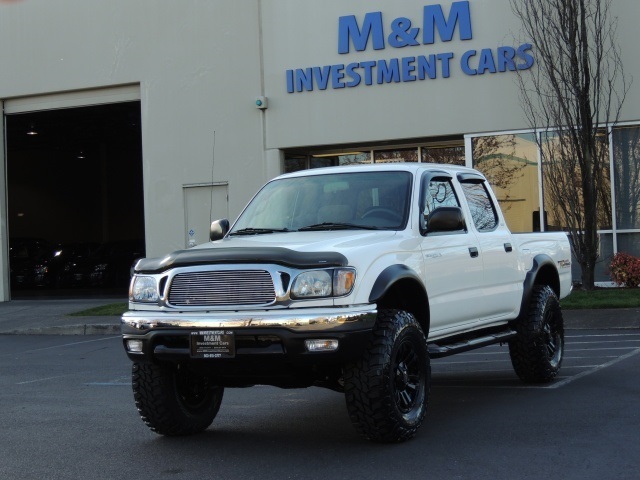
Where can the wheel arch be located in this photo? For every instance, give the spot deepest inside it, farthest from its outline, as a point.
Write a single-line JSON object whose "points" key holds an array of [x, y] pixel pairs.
{"points": [[399, 287], [543, 272]]}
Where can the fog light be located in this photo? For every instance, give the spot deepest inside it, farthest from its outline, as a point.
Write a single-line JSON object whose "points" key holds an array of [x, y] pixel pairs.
{"points": [[134, 346], [321, 345]]}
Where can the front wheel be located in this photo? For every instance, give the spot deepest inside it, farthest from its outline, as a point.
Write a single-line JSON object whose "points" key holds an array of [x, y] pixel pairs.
{"points": [[387, 390], [173, 400], [537, 350]]}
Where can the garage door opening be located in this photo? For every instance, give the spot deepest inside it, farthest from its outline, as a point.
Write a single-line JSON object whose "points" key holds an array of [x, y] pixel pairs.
{"points": [[75, 200]]}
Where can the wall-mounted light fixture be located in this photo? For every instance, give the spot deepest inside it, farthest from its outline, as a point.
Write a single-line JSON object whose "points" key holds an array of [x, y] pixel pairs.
{"points": [[32, 130]]}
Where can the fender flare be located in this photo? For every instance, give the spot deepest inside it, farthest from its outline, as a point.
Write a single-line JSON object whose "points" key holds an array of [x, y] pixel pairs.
{"points": [[389, 276], [540, 261]]}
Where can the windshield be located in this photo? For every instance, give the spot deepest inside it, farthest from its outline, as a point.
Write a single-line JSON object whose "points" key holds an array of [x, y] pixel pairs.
{"points": [[361, 200]]}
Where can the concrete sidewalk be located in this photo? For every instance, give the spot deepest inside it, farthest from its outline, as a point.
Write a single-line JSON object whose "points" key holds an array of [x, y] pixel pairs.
{"points": [[51, 317]]}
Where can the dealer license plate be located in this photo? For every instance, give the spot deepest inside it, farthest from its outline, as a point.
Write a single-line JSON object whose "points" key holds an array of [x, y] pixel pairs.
{"points": [[213, 344]]}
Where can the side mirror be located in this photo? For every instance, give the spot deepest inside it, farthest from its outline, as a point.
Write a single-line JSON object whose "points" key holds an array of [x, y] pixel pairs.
{"points": [[445, 219], [219, 229]]}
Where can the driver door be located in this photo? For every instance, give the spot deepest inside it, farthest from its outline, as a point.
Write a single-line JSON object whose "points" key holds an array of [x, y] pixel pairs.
{"points": [[452, 269]]}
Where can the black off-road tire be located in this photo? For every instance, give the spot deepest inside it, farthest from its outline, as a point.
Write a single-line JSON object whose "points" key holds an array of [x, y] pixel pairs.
{"points": [[174, 401], [387, 390], [538, 348]]}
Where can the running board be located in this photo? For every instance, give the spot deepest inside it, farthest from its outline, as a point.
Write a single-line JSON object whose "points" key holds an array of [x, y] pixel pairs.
{"points": [[437, 350]]}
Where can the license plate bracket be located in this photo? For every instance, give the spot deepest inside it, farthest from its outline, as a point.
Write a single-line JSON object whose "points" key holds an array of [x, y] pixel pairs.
{"points": [[212, 344]]}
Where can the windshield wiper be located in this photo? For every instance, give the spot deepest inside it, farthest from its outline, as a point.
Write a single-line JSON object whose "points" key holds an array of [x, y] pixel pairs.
{"points": [[336, 226], [259, 231]]}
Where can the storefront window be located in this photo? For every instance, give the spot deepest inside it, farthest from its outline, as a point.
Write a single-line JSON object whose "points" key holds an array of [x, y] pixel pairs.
{"points": [[629, 243], [510, 163], [340, 159], [319, 162], [293, 163], [626, 154], [448, 155], [561, 173], [396, 156]]}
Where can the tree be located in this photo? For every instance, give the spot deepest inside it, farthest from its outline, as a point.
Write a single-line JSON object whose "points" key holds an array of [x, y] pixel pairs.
{"points": [[573, 96]]}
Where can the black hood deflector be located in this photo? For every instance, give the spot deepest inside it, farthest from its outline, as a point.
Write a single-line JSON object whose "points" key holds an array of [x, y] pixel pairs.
{"points": [[215, 256]]}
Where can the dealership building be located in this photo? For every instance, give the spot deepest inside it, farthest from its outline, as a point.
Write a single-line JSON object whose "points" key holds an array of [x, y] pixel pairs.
{"points": [[133, 123]]}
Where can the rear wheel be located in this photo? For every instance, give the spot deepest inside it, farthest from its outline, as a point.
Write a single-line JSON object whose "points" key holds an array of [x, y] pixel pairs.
{"points": [[387, 390], [172, 400], [537, 351]]}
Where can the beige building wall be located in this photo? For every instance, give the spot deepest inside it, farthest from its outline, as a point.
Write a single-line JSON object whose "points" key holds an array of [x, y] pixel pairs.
{"points": [[200, 64]]}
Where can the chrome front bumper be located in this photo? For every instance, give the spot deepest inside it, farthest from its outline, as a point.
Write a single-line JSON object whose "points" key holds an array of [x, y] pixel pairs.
{"points": [[301, 320]]}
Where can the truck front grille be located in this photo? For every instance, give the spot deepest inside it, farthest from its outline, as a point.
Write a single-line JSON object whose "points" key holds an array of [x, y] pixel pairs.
{"points": [[222, 288]]}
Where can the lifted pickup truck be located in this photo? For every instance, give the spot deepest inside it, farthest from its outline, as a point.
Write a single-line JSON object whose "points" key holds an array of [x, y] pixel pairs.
{"points": [[349, 278]]}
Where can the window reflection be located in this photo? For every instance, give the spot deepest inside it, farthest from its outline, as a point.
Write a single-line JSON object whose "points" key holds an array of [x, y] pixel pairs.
{"points": [[396, 155], [482, 211], [626, 154], [294, 163], [510, 163], [438, 193], [448, 155], [561, 171]]}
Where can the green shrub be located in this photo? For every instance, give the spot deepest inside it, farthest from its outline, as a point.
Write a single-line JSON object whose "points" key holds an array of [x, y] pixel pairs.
{"points": [[625, 270]]}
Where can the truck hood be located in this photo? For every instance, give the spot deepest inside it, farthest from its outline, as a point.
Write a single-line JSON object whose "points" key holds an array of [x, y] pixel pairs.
{"points": [[291, 249]]}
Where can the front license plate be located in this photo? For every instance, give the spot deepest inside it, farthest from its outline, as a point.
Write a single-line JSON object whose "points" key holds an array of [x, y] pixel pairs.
{"points": [[213, 344]]}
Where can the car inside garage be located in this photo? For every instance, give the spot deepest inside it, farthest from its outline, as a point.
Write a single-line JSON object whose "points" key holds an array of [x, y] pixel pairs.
{"points": [[75, 199]]}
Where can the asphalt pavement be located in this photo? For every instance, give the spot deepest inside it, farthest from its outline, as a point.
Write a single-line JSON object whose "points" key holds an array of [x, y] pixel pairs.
{"points": [[52, 317]]}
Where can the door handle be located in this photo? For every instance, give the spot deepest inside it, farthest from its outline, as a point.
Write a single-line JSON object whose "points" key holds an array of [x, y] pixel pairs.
{"points": [[473, 251], [508, 248]]}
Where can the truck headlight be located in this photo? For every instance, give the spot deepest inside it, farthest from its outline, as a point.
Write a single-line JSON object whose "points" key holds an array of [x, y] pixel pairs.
{"points": [[323, 283], [144, 289]]}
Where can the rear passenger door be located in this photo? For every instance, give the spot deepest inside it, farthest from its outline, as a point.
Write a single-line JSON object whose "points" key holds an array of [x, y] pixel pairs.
{"points": [[502, 285]]}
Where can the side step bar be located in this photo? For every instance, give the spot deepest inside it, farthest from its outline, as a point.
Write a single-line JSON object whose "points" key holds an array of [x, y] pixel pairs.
{"points": [[437, 350]]}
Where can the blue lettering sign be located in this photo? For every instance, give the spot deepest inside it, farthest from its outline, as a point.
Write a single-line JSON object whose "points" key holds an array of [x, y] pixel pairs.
{"points": [[403, 33], [322, 76], [348, 29], [368, 72], [388, 72], [408, 68], [486, 62], [337, 74], [355, 76], [506, 56], [464, 62], [501, 60], [427, 67], [434, 20], [445, 62], [524, 55]]}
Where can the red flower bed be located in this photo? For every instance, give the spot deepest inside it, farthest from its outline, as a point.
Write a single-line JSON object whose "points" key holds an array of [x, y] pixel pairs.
{"points": [[625, 270]]}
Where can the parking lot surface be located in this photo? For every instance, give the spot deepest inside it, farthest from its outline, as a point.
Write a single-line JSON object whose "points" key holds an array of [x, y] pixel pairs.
{"points": [[586, 352], [67, 412]]}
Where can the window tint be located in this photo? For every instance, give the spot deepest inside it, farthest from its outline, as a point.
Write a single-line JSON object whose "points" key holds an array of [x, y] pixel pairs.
{"points": [[438, 193], [363, 199], [483, 212]]}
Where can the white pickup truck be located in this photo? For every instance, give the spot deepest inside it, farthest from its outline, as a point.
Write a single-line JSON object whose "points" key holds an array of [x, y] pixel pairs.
{"points": [[349, 278]]}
